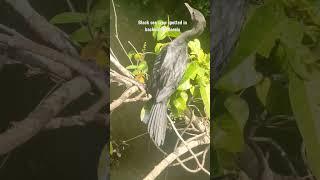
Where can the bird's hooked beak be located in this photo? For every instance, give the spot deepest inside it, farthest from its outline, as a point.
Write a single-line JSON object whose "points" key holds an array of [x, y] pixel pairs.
{"points": [[190, 9]]}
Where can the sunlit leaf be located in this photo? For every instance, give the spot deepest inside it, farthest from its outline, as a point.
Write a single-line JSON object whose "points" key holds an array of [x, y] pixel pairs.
{"points": [[180, 101], [185, 86], [159, 47], [173, 33], [205, 95], [142, 65], [162, 33], [131, 67], [191, 72], [138, 56], [194, 45]]}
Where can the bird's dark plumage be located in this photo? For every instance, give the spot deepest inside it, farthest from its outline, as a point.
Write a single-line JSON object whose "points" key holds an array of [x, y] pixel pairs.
{"points": [[167, 72], [227, 18]]}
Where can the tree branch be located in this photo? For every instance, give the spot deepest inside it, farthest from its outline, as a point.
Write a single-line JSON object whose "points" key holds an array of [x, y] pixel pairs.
{"points": [[36, 120], [174, 155], [48, 32]]}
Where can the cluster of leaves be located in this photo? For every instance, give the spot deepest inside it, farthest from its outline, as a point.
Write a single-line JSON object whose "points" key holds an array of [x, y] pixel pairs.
{"points": [[278, 58], [140, 69], [93, 31], [194, 88]]}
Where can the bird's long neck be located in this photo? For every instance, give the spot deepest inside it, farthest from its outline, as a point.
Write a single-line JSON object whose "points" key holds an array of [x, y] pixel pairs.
{"points": [[189, 34]]}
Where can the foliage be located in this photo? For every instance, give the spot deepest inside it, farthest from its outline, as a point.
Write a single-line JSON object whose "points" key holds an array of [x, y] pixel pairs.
{"points": [[277, 57], [92, 34]]}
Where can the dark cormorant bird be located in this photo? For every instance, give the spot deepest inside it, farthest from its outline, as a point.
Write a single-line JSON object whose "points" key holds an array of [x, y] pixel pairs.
{"points": [[167, 72], [226, 20]]}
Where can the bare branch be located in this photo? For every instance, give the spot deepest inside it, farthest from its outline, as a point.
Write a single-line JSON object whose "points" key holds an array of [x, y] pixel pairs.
{"points": [[174, 155], [36, 120], [41, 26], [186, 144], [117, 64], [123, 97], [94, 75]]}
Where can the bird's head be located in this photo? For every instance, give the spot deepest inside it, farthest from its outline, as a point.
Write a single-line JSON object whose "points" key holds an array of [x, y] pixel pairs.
{"points": [[197, 17]]}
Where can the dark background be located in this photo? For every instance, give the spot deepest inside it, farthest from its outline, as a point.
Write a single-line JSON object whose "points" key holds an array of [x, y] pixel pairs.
{"points": [[65, 153]]}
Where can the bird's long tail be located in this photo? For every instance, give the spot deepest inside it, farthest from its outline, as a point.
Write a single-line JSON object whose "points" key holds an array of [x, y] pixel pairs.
{"points": [[157, 122]]}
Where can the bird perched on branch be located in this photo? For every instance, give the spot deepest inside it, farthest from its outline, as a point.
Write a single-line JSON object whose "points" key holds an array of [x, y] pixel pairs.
{"points": [[167, 72]]}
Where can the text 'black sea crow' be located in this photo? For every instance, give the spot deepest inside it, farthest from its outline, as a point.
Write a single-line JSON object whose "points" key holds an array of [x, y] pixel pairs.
{"points": [[167, 72]]}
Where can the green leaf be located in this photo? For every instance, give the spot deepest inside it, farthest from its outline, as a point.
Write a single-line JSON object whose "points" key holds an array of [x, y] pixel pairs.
{"points": [[184, 95], [68, 17], [102, 167], [81, 35], [259, 32], [191, 72], [289, 31], [185, 86], [240, 77], [262, 90], [161, 31], [159, 47], [194, 46], [142, 65], [205, 95], [227, 134], [131, 54], [300, 59], [138, 56], [238, 109], [173, 34], [131, 67], [305, 100], [180, 102]]}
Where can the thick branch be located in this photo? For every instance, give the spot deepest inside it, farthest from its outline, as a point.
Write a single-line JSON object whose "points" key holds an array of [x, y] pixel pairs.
{"points": [[43, 63], [95, 75], [117, 64], [123, 97], [174, 155], [48, 109], [75, 121], [41, 26]]}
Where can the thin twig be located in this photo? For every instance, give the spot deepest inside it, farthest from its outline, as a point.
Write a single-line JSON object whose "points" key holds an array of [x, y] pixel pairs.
{"points": [[116, 29], [136, 137]]}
